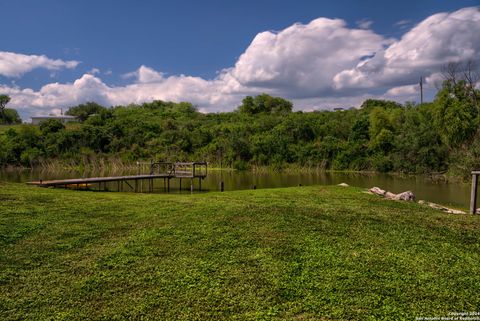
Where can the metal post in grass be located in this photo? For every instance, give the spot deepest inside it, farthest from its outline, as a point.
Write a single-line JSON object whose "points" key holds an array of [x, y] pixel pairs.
{"points": [[222, 186], [473, 195]]}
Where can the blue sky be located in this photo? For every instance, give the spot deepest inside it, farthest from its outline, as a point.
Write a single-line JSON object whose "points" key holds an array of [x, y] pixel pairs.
{"points": [[111, 50]]}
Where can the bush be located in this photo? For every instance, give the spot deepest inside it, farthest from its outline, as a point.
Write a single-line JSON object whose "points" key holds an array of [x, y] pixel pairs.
{"points": [[51, 126], [382, 163], [240, 165]]}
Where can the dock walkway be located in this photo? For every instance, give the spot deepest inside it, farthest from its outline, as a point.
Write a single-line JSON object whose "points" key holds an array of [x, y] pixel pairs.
{"points": [[159, 170]]}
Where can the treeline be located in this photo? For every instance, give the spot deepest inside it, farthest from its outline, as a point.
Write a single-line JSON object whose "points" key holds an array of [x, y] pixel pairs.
{"points": [[441, 136]]}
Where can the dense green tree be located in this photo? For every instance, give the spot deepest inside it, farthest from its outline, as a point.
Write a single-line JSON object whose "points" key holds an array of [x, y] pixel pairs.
{"points": [[10, 117], [456, 116], [265, 104], [370, 104], [4, 99], [83, 111]]}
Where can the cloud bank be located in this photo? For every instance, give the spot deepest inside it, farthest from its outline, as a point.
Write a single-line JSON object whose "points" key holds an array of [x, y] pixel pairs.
{"points": [[322, 64]]}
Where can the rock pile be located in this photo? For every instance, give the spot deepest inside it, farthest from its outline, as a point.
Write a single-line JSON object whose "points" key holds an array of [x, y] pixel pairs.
{"points": [[409, 196], [405, 196]]}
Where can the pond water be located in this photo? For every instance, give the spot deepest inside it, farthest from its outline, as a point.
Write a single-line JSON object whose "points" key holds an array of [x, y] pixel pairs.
{"points": [[455, 194]]}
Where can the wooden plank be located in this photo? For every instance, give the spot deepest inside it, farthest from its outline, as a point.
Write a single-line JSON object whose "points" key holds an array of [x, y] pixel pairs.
{"points": [[126, 182], [94, 180]]}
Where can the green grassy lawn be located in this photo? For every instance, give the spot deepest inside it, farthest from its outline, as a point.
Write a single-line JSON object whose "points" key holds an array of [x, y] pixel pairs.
{"points": [[304, 253]]}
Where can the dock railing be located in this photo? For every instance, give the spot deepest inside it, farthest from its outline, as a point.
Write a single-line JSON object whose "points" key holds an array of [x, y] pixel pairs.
{"points": [[180, 169], [167, 168]]}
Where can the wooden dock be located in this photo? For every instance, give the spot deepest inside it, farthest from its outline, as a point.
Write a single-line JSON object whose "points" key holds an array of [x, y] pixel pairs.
{"points": [[140, 183]]}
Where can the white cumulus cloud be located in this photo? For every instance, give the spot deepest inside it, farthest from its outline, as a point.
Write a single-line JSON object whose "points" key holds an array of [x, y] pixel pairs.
{"points": [[439, 39], [16, 64], [302, 60]]}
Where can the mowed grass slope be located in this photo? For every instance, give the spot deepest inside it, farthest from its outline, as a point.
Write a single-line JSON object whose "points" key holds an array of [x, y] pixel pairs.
{"points": [[305, 253]]}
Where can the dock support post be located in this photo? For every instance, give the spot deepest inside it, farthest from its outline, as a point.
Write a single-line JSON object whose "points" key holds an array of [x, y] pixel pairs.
{"points": [[221, 186], [136, 185], [180, 184], [200, 184], [473, 195], [191, 185], [164, 185], [168, 185]]}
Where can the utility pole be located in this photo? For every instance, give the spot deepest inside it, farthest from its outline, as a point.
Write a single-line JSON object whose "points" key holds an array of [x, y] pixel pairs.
{"points": [[421, 90]]}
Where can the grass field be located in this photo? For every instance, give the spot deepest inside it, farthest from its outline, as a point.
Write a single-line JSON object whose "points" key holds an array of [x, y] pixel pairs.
{"points": [[304, 253]]}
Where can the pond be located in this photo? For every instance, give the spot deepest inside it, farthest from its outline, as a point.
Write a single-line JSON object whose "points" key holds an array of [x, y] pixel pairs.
{"points": [[455, 194]]}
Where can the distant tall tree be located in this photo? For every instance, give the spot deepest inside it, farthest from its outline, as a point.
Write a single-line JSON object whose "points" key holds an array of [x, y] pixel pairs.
{"points": [[455, 113], [462, 77], [4, 99], [265, 104], [10, 116], [83, 111], [369, 104], [7, 115]]}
